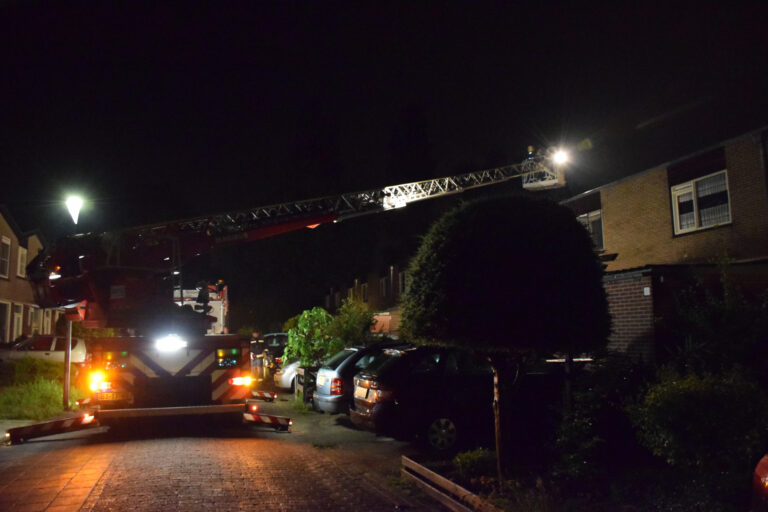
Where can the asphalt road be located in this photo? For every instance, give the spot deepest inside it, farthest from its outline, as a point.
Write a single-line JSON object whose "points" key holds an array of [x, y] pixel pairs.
{"points": [[188, 465]]}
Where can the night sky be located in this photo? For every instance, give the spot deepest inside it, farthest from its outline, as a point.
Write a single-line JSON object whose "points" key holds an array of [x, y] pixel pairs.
{"points": [[162, 110]]}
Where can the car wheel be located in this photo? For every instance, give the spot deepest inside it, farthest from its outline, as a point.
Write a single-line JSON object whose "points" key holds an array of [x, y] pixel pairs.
{"points": [[442, 434]]}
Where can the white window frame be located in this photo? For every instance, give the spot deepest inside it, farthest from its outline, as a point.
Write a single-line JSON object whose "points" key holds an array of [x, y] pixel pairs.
{"points": [[586, 221], [36, 319], [17, 321], [690, 187], [21, 266], [47, 321], [4, 240]]}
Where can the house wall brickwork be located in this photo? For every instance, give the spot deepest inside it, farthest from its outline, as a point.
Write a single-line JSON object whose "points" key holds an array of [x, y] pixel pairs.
{"points": [[19, 315], [638, 219], [630, 304]]}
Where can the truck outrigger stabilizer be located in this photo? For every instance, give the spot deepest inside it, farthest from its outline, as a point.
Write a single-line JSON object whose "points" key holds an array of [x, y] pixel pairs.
{"points": [[93, 418]]}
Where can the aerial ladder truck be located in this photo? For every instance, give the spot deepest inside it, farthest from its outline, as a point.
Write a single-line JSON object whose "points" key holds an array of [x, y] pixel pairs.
{"points": [[125, 279]]}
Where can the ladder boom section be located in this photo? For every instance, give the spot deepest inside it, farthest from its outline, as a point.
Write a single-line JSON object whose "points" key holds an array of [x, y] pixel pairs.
{"points": [[336, 208], [397, 196]]}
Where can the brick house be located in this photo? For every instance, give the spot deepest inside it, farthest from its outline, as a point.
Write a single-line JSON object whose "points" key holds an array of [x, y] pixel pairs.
{"points": [[659, 229], [19, 315], [381, 291]]}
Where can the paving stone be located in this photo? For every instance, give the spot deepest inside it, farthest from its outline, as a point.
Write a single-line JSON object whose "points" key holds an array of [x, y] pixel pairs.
{"points": [[323, 467]]}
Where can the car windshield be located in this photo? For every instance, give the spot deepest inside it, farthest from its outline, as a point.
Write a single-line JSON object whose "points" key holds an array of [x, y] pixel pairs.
{"points": [[336, 359]]}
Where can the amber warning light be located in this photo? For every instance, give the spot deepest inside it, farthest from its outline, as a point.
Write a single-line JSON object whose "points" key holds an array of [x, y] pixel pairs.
{"points": [[241, 381]]}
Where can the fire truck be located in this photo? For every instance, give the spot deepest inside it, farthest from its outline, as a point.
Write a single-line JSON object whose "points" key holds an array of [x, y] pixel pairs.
{"points": [[125, 280]]}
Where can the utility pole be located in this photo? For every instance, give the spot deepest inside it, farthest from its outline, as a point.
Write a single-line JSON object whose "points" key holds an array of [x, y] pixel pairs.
{"points": [[67, 360]]}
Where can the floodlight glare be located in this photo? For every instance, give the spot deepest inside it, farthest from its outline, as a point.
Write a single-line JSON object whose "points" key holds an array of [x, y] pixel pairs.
{"points": [[170, 343], [560, 157], [74, 203]]}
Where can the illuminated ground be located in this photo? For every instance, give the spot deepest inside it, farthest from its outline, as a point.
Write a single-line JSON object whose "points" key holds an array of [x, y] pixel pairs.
{"points": [[321, 465]]}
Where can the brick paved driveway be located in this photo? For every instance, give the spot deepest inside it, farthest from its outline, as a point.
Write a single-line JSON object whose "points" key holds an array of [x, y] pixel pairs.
{"points": [[321, 465]]}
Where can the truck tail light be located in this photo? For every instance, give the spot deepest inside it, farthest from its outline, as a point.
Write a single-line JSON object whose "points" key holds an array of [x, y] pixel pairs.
{"points": [[337, 387], [97, 381]]}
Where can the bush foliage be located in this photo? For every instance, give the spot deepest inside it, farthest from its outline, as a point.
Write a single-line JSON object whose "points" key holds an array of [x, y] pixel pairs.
{"points": [[317, 334], [714, 423], [38, 399], [510, 274]]}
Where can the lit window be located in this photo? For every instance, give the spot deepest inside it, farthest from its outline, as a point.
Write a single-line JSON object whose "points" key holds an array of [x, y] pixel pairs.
{"points": [[21, 267], [701, 203], [5, 256], [593, 223]]}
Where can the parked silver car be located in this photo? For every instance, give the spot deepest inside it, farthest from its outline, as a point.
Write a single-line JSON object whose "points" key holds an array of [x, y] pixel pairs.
{"points": [[333, 393], [285, 377], [46, 346]]}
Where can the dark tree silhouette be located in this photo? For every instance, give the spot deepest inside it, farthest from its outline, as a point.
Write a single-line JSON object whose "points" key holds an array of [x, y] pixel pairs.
{"points": [[512, 277]]}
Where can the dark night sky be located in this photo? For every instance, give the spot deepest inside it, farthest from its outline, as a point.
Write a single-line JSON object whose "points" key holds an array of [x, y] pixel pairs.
{"points": [[161, 110]]}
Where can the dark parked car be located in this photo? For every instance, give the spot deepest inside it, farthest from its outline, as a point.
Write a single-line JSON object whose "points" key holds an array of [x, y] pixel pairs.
{"points": [[443, 396], [334, 378], [274, 343]]}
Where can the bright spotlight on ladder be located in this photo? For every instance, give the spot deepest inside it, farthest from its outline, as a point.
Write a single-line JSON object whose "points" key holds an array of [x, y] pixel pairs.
{"points": [[74, 203], [560, 157]]}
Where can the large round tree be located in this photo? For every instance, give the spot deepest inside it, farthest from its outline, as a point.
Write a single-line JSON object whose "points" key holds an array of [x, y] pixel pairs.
{"points": [[514, 278]]}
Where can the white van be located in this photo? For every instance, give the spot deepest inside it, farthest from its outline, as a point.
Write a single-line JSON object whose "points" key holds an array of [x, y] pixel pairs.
{"points": [[46, 346]]}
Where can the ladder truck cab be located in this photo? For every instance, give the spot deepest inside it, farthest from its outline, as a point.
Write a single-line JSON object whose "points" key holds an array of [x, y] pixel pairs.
{"points": [[126, 279]]}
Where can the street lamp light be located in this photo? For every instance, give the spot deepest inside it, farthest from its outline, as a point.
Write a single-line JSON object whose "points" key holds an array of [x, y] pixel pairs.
{"points": [[74, 204]]}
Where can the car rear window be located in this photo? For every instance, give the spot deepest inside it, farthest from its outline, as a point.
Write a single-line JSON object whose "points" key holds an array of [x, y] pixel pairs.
{"points": [[337, 358], [385, 360]]}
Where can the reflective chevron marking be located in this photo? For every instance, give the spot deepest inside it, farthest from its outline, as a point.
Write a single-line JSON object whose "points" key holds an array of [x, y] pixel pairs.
{"points": [[278, 422], [264, 395], [49, 428]]}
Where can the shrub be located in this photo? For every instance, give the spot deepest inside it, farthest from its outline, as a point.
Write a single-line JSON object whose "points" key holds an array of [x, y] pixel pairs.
{"points": [[713, 428], [28, 369], [597, 436], [475, 463], [38, 399], [714, 327], [311, 340], [7, 372], [352, 324]]}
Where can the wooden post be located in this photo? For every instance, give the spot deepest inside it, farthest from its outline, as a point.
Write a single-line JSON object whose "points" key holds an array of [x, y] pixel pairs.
{"points": [[496, 364]]}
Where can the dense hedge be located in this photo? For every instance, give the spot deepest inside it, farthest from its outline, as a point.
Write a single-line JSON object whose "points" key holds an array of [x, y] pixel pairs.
{"points": [[713, 427]]}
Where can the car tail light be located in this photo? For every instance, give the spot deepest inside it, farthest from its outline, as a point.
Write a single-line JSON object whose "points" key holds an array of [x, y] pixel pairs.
{"points": [[376, 392], [337, 387]]}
